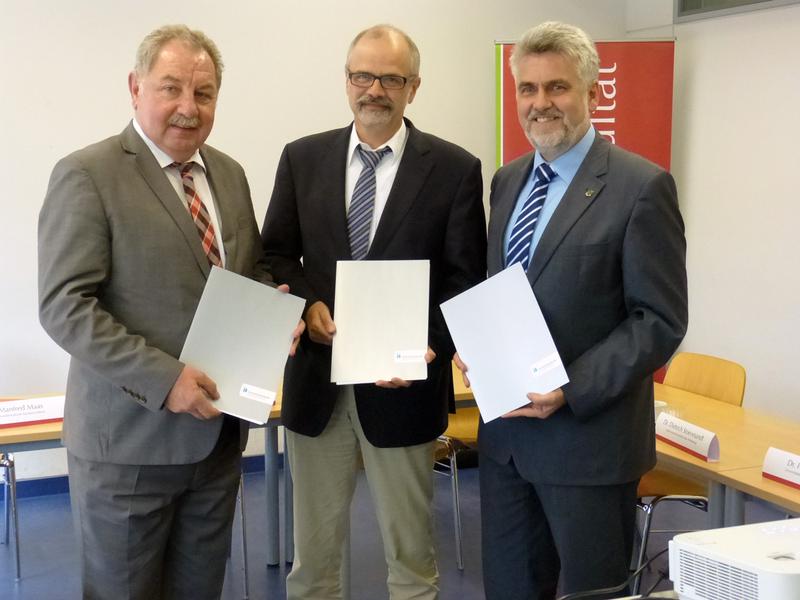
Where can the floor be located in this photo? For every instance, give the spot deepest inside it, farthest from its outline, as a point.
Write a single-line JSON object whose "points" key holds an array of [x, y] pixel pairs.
{"points": [[49, 553]]}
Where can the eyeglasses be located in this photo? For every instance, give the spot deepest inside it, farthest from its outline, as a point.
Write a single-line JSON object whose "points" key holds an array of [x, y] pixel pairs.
{"points": [[388, 82]]}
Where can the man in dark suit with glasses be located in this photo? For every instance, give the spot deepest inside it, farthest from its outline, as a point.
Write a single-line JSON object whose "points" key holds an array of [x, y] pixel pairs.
{"points": [[424, 201]]}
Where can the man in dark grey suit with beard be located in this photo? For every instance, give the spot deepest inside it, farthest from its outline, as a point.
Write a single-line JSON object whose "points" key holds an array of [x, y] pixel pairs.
{"points": [[600, 235]]}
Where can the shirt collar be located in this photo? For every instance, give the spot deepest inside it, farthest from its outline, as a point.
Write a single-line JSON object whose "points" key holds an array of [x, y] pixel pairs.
{"points": [[162, 158], [568, 163], [397, 142]]}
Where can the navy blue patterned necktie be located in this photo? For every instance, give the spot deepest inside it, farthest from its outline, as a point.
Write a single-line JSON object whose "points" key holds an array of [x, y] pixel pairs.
{"points": [[519, 244]]}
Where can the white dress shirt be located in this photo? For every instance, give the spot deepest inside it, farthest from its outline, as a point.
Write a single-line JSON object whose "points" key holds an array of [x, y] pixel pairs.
{"points": [[200, 184], [385, 172]]}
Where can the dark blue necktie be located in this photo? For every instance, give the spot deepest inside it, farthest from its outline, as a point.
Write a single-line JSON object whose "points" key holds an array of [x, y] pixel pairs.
{"points": [[519, 244]]}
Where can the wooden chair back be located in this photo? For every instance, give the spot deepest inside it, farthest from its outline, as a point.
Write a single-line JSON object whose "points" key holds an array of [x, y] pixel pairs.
{"points": [[717, 378]]}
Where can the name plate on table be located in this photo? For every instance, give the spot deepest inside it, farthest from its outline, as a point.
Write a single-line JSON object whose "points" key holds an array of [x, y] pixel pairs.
{"points": [[782, 466], [695, 440], [31, 411]]}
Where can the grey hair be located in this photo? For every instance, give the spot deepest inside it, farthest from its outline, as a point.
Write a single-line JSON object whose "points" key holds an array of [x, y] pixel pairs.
{"points": [[152, 44], [381, 31], [564, 39]]}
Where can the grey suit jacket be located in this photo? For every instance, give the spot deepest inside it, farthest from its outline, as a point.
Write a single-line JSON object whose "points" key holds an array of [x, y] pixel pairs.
{"points": [[121, 270], [610, 276]]}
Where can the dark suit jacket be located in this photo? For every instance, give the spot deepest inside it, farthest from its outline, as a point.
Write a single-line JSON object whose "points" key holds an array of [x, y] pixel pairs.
{"points": [[434, 211], [121, 271], [609, 274]]}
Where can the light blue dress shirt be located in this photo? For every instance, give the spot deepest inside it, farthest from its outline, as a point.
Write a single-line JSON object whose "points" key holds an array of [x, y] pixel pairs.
{"points": [[565, 167]]}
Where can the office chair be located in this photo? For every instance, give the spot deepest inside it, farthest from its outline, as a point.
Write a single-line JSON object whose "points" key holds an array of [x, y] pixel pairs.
{"points": [[10, 505], [717, 378], [701, 374], [445, 457], [461, 432], [463, 426]]}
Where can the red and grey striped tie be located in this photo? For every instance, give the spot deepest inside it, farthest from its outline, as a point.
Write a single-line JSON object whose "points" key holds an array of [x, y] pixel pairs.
{"points": [[199, 212]]}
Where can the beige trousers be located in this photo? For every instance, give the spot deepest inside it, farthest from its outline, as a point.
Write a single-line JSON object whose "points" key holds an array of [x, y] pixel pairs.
{"points": [[324, 470]]}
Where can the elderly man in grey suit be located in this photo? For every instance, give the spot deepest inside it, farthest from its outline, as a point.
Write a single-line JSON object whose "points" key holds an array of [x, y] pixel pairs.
{"points": [[600, 235], [127, 235]]}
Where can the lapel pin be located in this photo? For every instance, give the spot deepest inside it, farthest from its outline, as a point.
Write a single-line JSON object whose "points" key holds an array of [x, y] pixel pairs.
{"points": [[589, 193]]}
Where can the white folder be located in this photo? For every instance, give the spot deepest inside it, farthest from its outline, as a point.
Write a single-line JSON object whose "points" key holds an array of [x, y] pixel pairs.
{"points": [[381, 316], [501, 335], [240, 337]]}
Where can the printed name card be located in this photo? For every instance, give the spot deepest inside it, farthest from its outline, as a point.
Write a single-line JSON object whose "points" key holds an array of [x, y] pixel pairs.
{"points": [[695, 440], [30, 411], [782, 466]]}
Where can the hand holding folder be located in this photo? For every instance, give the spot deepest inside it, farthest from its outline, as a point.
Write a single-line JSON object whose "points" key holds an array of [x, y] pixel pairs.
{"points": [[240, 337]]}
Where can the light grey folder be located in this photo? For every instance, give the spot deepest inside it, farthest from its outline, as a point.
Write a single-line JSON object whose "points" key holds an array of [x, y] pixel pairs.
{"points": [[381, 321], [240, 337]]}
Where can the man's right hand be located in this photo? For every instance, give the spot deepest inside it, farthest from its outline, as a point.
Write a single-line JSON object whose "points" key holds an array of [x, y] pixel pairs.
{"points": [[319, 322], [193, 393]]}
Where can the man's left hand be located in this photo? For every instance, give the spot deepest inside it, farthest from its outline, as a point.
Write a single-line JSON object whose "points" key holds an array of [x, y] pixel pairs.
{"points": [[541, 406], [396, 382]]}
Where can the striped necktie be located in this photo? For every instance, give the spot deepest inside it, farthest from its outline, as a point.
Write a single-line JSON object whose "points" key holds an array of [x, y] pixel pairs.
{"points": [[199, 212], [519, 244], [359, 217]]}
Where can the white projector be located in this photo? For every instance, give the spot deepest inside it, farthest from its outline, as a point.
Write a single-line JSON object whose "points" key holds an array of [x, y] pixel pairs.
{"points": [[751, 562]]}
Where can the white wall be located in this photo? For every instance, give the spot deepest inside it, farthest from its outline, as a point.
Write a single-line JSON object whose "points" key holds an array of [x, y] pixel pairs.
{"points": [[735, 134], [735, 149], [65, 63]]}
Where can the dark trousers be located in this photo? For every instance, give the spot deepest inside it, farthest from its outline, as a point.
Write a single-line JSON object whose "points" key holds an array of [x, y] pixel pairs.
{"points": [[534, 533], [150, 532]]}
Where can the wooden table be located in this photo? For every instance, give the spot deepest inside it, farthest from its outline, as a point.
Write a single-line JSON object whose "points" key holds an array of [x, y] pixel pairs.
{"points": [[272, 470], [48, 435], [751, 481], [44, 436], [38, 436], [30, 437], [744, 437]]}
